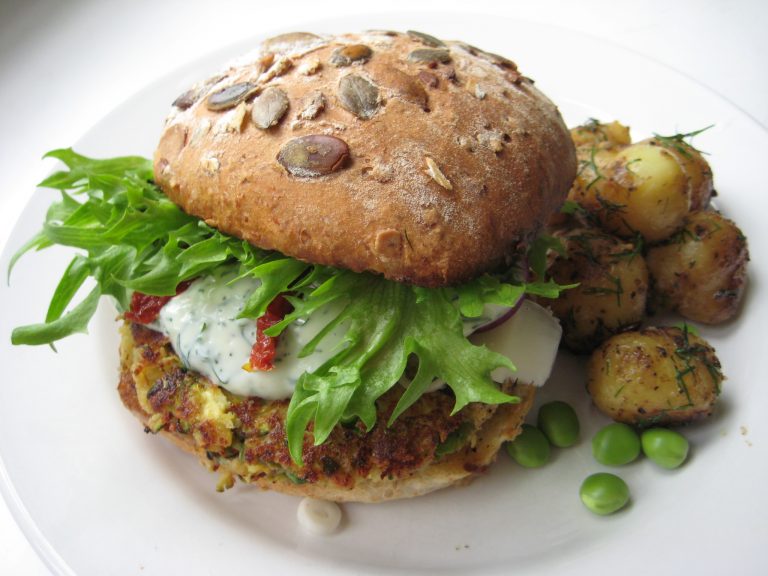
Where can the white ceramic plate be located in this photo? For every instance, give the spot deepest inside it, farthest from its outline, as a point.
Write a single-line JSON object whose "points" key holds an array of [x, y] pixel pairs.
{"points": [[97, 496]]}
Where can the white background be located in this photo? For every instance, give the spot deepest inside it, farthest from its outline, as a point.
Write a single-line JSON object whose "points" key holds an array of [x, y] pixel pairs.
{"points": [[64, 65]]}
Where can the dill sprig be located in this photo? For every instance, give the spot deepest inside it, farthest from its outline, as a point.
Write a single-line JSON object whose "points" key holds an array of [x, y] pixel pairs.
{"points": [[678, 141]]}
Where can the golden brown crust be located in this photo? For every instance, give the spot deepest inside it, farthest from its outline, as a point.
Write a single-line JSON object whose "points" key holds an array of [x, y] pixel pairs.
{"points": [[245, 438], [450, 164]]}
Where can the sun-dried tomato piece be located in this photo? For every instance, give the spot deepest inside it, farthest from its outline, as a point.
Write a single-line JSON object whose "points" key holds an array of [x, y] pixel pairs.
{"points": [[145, 308], [265, 347]]}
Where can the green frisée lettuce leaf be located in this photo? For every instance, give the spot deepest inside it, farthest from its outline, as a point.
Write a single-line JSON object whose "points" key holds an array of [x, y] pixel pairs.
{"points": [[131, 237], [386, 323], [486, 289], [56, 329]]}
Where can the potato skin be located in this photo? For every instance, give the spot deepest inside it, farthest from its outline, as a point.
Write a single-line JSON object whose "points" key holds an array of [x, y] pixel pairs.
{"points": [[655, 376], [589, 186], [612, 291], [643, 189], [647, 195], [701, 271], [601, 134], [696, 169], [597, 144]]}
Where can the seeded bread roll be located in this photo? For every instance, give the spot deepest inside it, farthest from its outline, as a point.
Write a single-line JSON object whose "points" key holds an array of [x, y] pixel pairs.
{"points": [[429, 162]]}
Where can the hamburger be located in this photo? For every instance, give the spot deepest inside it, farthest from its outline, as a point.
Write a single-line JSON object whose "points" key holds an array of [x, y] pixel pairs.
{"points": [[298, 269]]}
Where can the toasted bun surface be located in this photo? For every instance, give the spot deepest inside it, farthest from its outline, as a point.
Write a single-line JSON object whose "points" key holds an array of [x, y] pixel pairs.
{"points": [[426, 161], [245, 437]]}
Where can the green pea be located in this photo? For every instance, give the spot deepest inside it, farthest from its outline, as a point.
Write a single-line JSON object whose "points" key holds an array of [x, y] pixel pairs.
{"points": [[559, 423], [530, 449], [667, 448], [604, 493], [616, 444]]}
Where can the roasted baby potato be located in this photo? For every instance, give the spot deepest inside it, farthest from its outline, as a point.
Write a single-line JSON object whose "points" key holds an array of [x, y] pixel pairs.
{"points": [[596, 146], [701, 271], [646, 188], [655, 376], [642, 191], [612, 287], [697, 172], [604, 135], [588, 186]]}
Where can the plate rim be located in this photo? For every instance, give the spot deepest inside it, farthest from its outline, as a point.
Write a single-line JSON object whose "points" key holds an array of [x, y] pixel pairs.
{"points": [[43, 547]]}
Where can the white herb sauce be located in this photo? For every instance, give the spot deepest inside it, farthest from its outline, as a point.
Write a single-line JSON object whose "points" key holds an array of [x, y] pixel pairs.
{"points": [[204, 330], [319, 516]]}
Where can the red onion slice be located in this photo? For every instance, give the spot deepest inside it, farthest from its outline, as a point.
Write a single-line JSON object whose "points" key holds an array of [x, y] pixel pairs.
{"points": [[499, 320]]}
